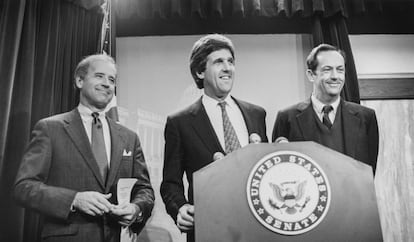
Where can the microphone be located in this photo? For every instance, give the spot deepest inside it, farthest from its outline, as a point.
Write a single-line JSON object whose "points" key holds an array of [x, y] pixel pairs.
{"points": [[281, 139], [218, 156], [254, 138]]}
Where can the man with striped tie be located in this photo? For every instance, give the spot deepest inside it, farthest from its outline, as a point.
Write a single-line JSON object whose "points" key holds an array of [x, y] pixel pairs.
{"points": [[217, 122]]}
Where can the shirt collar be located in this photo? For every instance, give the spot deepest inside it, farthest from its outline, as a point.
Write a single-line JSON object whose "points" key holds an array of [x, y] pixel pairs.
{"points": [[207, 100], [318, 105], [86, 113]]}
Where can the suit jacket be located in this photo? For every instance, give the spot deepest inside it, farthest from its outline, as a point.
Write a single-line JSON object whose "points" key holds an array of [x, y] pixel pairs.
{"points": [[59, 162], [360, 127], [190, 143]]}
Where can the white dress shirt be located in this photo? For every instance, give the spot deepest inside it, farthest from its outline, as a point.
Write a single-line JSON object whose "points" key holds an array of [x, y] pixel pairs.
{"points": [[86, 116], [318, 106], [214, 113]]}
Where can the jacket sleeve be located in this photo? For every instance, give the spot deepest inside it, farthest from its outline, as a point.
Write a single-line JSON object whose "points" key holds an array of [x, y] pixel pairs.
{"points": [[172, 187], [31, 189], [280, 128], [263, 125], [373, 141], [142, 193]]}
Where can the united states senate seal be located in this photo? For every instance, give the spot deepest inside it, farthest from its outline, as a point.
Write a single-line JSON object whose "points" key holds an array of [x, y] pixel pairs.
{"points": [[288, 192]]}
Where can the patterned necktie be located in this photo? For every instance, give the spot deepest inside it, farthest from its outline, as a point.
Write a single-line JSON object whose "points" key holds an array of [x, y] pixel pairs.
{"points": [[231, 141], [98, 145], [325, 119]]}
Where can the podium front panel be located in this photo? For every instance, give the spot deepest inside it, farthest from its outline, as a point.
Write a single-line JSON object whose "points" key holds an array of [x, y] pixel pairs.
{"points": [[223, 213]]}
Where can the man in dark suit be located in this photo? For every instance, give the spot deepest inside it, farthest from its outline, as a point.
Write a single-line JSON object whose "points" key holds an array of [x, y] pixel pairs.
{"points": [[66, 175], [325, 118], [217, 122]]}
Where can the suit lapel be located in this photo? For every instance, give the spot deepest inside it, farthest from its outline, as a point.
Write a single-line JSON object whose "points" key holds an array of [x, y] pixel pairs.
{"points": [[202, 126], [245, 110], [117, 147], [76, 131], [305, 120], [351, 128]]}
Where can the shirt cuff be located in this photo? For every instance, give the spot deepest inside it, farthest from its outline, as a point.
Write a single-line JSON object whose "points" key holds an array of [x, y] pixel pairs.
{"points": [[72, 207], [138, 214]]}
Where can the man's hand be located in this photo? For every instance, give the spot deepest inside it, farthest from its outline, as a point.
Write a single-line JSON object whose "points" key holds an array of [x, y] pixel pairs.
{"points": [[185, 218], [92, 203], [126, 213]]}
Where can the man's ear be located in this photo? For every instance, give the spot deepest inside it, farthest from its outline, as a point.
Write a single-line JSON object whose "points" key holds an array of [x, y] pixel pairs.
{"points": [[78, 82], [310, 75], [200, 75]]}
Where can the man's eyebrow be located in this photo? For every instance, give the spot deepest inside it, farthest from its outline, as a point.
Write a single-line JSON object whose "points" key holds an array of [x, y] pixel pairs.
{"points": [[218, 59]]}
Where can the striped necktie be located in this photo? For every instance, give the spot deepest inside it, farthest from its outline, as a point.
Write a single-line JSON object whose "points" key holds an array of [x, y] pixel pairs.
{"points": [[325, 119], [231, 141]]}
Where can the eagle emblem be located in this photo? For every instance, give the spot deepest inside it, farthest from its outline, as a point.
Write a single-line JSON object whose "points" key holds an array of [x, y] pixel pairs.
{"points": [[288, 192], [289, 196]]}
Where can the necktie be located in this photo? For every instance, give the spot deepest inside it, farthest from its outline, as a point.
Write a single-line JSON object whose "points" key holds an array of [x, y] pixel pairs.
{"points": [[325, 119], [231, 141], [98, 145]]}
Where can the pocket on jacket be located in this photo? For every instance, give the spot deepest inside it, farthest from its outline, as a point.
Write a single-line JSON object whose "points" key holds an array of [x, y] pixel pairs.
{"points": [[59, 230]]}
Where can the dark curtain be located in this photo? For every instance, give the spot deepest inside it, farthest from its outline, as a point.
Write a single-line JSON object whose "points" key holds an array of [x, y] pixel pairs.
{"points": [[333, 30], [41, 42], [168, 9]]}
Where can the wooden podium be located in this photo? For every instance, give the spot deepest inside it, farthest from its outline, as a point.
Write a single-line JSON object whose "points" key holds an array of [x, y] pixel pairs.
{"points": [[228, 206]]}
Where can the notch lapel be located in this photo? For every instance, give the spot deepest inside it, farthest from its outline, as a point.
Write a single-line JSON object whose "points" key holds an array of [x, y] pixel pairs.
{"points": [[76, 131], [305, 120], [203, 128], [250, 124], [351, 128]]}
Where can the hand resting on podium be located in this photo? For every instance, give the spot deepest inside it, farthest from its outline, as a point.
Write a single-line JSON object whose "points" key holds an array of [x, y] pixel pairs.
{"points": [[185, 218]]}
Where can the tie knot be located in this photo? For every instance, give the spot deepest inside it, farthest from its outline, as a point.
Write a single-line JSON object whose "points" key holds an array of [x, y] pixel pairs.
{"points": [[222, 105], [96, 119], [327, 109], [95, 115]]}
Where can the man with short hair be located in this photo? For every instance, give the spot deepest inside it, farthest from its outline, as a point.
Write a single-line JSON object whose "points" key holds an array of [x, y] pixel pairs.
{"points": [[69, 172], [217, 122], [325, 118]]}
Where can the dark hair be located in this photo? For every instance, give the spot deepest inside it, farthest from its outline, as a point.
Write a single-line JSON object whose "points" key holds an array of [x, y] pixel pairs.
{"points": [[312, 61], [83, 66], [202, 48]]}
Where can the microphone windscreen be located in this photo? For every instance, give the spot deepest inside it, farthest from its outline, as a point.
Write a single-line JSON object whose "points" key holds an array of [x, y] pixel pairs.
{"points": [[218, 156], [281, 139], [254, 138]]}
